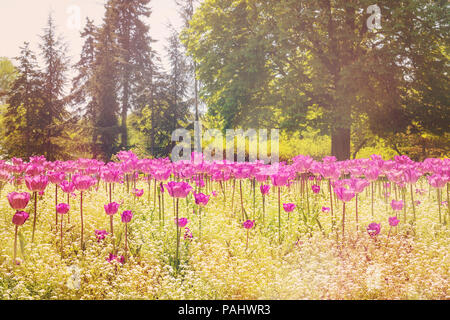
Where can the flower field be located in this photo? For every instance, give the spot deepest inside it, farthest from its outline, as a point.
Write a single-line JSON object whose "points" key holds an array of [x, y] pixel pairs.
{"points": [[153, 229]]}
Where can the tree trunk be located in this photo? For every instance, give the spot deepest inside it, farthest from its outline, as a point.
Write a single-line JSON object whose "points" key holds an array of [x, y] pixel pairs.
{"points": [[340, 143]]}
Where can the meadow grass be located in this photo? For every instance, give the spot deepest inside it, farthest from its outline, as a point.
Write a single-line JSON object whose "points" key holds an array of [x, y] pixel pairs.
{"points": [[309, 262]]}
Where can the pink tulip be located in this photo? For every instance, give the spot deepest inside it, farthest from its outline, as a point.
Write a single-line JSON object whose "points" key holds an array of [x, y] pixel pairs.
{"points": [[437, 180], [248, 224], [161, 174], [34, 170], [111, 258], [358, 185], [111, 208], [372, 173], [83, 183], [100, 234], [393, 221], [344, 194], [280, 179], [289, 207], [62, 208], [126, 216], [178, 189], [325, 209], [18, 201], [265, 188], [315, 188], [374, 229], [182, 222], [330, 171], [36, 183], [20, 217], [67, 187], [411, 175], [56, 177], [397, 205], [201, 199], [138, 192]]}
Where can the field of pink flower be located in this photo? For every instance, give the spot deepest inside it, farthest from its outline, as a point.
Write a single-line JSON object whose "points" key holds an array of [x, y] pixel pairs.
{"points": [[153, 229]]}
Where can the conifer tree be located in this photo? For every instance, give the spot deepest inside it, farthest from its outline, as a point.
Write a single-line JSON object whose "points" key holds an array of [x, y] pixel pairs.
{"points": [[53, 117], [23, 134], [105, 87], [82, 94], [134, 52]]}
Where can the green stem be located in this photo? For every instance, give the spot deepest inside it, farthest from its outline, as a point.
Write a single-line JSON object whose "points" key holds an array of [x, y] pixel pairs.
{"points": [[15, 245], [178, 236], [279, 213], [264, 207], [62, 218], [56, 211], [81, 215], [356, 204], [412, 201], [35, 217], [343, 220], [200, 222], [126, 241]]}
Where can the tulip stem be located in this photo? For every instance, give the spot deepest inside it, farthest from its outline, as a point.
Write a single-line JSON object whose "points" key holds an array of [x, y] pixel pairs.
{"points": [[331, 204], [254, 197], [371, 186], [232, 196], [34, 218], [62, 218], [279, 213], [126, 241], [68, 202], [56, 211], [162, 201], [439, 203], [264, 207], [413, 205], [159, 205], [178, 235], [356, 204], [307, 196], [343, 220], [199, 222], [15, 245], [81, 216], [242, 199]]}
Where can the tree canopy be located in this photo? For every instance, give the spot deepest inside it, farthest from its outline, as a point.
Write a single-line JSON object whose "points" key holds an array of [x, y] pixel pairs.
{"points": [[293, 64]]}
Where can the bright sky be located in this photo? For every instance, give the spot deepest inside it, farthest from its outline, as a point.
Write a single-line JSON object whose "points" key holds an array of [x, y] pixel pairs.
{"points": [[24, 20]]}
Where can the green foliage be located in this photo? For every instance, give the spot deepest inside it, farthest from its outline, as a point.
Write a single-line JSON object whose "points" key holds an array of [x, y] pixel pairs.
{"points": [[165, 105], [299, 64], [20, 121], [8, 74]]}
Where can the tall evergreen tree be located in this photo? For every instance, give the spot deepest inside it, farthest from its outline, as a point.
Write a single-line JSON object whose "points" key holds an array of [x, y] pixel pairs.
{"points": [[56, 63], [82, 94], [22, 130], [177, 84], [186, 12], [133, 51], [105, 85]]}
